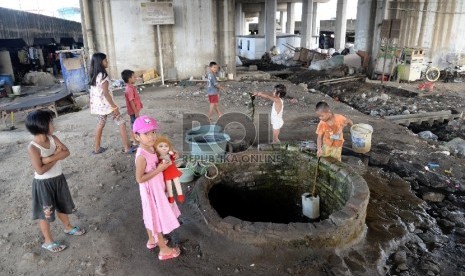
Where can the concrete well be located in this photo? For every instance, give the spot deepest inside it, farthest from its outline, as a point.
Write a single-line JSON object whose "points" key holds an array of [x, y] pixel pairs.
{"points": [[256, 198]]}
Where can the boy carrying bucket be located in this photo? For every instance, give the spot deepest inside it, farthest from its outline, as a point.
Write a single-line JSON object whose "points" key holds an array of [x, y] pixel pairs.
{"points": [[330, 137]]}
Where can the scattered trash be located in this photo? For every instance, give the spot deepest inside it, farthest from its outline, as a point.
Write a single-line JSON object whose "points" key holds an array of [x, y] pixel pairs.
{"points": [[449, 172], [456, 147], [426, 85], [185, 83], [428, 135]]}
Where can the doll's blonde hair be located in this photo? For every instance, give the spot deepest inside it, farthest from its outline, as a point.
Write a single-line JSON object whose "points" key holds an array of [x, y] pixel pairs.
{"points": [[163, 139]]}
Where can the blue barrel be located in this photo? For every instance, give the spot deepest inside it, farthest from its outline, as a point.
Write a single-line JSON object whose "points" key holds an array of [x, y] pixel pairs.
{"points": [[74, 72], [7, 80]]}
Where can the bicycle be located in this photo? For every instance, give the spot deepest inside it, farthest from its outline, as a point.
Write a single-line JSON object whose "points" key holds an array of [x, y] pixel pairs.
{"points": [[431, 73]]}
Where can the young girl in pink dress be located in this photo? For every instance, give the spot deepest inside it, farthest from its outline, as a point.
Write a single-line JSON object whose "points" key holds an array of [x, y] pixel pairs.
{"points": [[160, 216]]}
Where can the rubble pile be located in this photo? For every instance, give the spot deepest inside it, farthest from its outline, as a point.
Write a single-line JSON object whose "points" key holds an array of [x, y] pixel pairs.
{"points": [[39, 79], [286, 58], [380, 101]]}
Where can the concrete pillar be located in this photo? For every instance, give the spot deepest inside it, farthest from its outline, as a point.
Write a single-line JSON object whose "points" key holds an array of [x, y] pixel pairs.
{"points": [[87, 27], [306, 33], [110, 51], [315, 26], [226, 37], [281, 19], [239, 19], [381, 13], [270, 31], [341, 25], [364, 25], [290, 24], [261, 20]]}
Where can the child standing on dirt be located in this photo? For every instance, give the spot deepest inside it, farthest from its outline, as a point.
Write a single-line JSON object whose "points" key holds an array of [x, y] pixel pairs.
{"points": [[160, 216], [277, 121], [102, 103], [213, 89], [50, 190], [330, 137], [133, 102]]}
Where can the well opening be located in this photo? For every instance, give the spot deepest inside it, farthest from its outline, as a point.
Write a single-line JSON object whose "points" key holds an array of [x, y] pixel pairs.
{"points": [[257, 198]]}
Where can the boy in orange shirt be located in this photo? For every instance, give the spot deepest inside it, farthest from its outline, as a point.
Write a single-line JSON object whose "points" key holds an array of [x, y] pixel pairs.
{"points": [[329, 130], [133, 102]]}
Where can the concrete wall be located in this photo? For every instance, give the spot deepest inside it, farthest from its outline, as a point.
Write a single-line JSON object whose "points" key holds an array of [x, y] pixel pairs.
{"points": [[195, 36], [18, 24], [134, 41], [437, 26], [200, 34]]}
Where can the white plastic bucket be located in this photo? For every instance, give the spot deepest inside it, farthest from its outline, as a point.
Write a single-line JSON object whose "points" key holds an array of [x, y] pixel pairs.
{"points": [[17, 89], [361, 137], [230, 76], [310, 206]]}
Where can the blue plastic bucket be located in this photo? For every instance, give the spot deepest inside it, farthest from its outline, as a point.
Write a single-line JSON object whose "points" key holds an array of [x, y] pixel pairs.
{"points": [[203, 130], [210, 147]]}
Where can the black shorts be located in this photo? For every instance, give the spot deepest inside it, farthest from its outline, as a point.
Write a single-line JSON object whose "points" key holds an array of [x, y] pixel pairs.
{"points": [[51, 193], [133, 119]]}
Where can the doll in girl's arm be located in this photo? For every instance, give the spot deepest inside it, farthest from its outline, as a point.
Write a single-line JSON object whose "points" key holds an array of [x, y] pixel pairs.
{"points": [[164, 150]]}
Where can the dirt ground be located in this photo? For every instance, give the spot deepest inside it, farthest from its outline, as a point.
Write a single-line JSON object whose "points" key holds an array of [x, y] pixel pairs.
{"points": [[405, 235]]}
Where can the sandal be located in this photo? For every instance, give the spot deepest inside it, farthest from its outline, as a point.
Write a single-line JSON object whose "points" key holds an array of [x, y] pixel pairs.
{"points": [[76, 231], [131, 150], [151, 246], [100, 150], [54, 247], [175, 252]]}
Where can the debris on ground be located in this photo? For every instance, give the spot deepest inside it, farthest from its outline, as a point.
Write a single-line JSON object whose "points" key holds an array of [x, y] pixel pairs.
{"points": [[427, 135], [457, 147]]}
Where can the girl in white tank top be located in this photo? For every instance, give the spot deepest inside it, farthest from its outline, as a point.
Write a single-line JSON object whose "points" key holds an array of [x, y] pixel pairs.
{"points": [[50, 190], [276, 110]]}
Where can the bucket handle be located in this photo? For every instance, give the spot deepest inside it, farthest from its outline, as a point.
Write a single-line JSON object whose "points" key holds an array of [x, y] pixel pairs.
{"points": [[204, 168]]}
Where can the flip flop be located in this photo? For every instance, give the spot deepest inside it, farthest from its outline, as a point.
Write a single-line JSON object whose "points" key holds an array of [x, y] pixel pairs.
{"points": [[54, 247], [131, 150], [76, 231], [175, 252], [151, 246], [100, 150]]}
